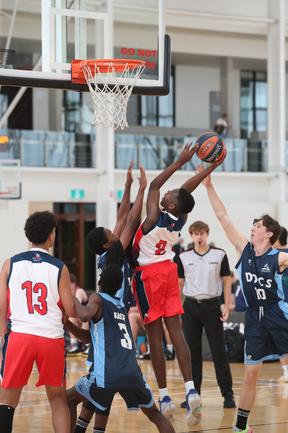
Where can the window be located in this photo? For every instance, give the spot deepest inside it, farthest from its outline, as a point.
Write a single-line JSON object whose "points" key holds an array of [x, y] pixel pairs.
{"points": [[72, 104], [253, 103], [153, 110]]}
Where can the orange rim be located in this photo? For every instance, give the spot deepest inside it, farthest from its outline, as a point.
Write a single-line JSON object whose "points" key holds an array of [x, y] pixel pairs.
{"points": [[103, 65]]}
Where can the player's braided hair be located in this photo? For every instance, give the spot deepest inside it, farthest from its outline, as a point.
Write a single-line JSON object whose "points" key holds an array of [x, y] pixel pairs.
{"points": [[96, 238]]}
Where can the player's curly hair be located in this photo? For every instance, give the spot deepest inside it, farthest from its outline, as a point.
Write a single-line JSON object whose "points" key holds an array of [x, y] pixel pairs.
{"points": [[39, 226], [186, 201], [111, 279], [95, 239]]}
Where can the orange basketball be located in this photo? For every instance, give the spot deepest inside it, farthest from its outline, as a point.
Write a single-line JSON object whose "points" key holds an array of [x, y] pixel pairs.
{"points": [[211, 147]]}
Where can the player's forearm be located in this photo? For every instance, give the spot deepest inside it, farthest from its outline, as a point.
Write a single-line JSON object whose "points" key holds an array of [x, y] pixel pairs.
{"points": [[79, 333], [84, 312], [159, 180], [192, 183], [216, 203], [227, 291], [125, 203]]}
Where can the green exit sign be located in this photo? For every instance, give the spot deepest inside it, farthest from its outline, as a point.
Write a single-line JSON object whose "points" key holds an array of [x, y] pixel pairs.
{"points": [[77, 194]]}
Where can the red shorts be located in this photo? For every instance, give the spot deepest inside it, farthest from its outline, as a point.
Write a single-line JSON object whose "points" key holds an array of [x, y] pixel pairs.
{"points": [[157, 292], [21, 352]]}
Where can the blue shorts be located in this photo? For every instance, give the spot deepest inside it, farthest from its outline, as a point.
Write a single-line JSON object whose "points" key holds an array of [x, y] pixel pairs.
{"points": [[102, 398], [266, 334]]}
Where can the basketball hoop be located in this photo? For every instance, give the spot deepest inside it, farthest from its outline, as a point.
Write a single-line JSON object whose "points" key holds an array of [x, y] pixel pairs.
{"points": [[110, 83]]}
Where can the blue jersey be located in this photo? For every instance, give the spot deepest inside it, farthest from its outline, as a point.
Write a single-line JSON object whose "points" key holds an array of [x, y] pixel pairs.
{"points": [[115, 256], [285, 277], [113, 348], [260, 278]]}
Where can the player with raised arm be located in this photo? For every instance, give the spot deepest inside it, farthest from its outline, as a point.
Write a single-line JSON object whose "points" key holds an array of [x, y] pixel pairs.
{"points": [[266, 324], [156, 281], [114, 368], [34, 287], [112, 249]]}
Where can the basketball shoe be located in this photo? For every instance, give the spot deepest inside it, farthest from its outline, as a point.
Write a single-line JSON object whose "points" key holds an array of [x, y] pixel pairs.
{"points": [[167, 407], [247, 430], [193, 407]]}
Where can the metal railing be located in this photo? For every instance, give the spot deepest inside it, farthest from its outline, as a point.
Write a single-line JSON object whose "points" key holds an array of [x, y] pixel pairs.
{"points": [[64, 149]]}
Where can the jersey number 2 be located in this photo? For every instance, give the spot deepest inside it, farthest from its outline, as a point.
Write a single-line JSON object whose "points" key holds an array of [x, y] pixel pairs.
{"points": [[41, 306], [161, 248]]}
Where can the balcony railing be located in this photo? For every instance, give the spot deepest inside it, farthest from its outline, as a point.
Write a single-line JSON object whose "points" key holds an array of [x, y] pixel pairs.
{"points": [[64, 149]]}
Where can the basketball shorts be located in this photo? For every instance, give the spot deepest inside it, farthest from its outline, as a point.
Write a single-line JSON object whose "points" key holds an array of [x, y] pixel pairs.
{"points": [[102, 398], [266, 334], [157, 292], [22, 350]]}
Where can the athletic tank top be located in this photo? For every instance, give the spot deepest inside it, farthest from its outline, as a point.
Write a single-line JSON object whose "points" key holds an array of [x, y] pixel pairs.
{"points": [[34, 302], [260, 279], [156, 245], [113, 347]]}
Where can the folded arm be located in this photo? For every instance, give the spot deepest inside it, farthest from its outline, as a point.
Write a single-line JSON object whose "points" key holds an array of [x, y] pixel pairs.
{"points": [[90, 310]]}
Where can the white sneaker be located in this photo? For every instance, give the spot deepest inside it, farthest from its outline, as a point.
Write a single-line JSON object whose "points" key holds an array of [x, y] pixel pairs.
{"points": [[194, 407], [167, 407], [284, 378]]}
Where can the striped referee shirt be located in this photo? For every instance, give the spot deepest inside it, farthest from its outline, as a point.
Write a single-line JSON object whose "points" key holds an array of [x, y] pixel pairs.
{"points": [[203, 273]]}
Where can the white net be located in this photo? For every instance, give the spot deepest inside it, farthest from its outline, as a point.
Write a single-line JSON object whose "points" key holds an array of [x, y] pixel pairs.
{"points": [[111, 90]]}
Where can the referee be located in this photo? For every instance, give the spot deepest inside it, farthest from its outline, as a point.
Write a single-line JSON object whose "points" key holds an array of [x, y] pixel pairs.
{"points": [[203, 271]]}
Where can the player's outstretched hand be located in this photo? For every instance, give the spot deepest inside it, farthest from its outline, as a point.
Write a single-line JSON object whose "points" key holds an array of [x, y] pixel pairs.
{"points": [[207, 180], [129, 177], [221, 159], [142, 178], [187, 153]]}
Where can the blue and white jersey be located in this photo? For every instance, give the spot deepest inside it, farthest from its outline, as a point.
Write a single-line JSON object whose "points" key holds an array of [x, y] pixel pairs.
{"points": [[115, 256], [113, 348], [260, 278], [34, 301], [285, 277]]}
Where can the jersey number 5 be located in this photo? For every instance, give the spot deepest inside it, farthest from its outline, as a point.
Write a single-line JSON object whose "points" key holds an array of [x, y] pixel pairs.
{"points": [[41, 306], [160, 248]]}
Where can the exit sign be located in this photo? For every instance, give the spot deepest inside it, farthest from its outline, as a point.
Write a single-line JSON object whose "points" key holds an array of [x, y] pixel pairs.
{"points": [[77, 194]]}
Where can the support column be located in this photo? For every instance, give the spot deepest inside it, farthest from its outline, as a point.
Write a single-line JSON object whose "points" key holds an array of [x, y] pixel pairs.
{"points": [[276, 100]]}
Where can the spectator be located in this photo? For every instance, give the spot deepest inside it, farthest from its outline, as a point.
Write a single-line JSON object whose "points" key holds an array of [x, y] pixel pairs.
{"points": [[221, 126]]}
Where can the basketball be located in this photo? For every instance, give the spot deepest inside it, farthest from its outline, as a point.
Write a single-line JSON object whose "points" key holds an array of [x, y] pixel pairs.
{"points": [[211, 147]]}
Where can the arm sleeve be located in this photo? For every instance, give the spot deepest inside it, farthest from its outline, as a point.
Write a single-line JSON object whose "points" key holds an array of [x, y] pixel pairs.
{"points": [[115, 254], [225, 268]]}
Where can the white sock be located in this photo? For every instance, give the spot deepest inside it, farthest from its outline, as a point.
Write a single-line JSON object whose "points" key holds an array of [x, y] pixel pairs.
{"points": [[189, 385], [285, 369], [163, 392], [169, 347]]}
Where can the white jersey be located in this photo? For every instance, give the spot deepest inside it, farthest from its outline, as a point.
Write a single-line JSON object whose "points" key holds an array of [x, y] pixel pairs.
{"points": [[34, 302], [156, 245]]}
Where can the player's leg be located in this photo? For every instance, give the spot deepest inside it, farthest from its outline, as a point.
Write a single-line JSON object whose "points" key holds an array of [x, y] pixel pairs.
{"points": [[163, 424], [9, 399], [193, 400], [85, 416], [59, 408], [73, 399], [247, 396]]}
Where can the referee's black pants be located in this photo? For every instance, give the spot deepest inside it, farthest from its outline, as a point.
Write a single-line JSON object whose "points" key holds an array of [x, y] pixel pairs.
{"points": [[206, 315]]}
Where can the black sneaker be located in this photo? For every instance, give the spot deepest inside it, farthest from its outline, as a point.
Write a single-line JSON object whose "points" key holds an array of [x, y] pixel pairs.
{"points": [[183, 405], [169, 356], [229, 402]]}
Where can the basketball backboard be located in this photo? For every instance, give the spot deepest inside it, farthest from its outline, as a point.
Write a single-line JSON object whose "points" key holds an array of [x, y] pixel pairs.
{"points": [[39, 39], [10, 185]]}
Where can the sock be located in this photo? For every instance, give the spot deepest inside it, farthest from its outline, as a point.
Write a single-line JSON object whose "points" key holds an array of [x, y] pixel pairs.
{"points": [[163, 392], [242, 418], [189, 385], [285, 370], [6, 416], [169, 347], [98, 430], [81, 425]]}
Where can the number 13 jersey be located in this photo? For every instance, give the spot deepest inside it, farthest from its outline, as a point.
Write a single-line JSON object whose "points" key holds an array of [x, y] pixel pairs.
{"points": [[34, 305], [156, 245]]}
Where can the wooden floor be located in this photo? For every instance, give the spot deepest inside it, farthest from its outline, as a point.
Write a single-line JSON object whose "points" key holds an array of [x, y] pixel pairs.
{"points": [[269, 415]]}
